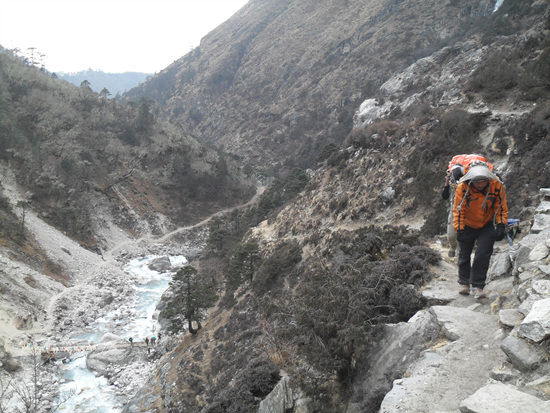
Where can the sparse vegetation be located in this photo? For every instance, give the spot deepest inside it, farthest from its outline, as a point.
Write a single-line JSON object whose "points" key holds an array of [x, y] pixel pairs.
{"points": [[64, 141], [456, 131]]}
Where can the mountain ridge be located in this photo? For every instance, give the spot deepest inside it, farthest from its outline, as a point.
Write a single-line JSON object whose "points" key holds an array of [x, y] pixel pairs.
{"points": [[302, 106], [115, 83]]}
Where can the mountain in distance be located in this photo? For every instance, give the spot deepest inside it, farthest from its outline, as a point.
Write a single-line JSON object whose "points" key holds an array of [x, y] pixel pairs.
{"points": [[116, 83]]}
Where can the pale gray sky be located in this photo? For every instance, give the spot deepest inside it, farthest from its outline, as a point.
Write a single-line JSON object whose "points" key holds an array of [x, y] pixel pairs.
{"points": [[110, 35]]}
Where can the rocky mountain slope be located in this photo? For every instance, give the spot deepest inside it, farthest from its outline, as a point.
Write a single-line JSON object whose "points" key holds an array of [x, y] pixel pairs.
{"points": [[281, 79], [80, 155], [486, 92], [337, 268]]}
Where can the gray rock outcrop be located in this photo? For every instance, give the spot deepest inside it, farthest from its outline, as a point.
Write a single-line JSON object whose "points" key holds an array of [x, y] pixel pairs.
{"points": [[536, 325], [7, 362]]}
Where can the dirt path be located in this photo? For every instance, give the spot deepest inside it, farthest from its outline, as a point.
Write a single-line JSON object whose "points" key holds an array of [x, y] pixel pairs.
{"points": [[149, 240], [82, 264]]}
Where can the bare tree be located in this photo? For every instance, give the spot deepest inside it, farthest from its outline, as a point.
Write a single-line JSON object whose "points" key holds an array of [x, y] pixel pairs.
{"points": [[29, 392], [4, 392]]}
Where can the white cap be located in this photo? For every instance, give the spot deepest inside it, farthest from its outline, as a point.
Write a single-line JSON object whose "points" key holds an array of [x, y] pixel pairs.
{"points": [[479, 173]]}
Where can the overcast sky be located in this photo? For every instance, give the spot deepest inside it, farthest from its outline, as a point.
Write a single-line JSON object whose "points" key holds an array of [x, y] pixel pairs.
{"points": [[110, 35]]}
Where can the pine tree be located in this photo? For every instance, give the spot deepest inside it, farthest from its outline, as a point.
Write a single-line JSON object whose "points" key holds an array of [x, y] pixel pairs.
{"points": [[191, 297]]}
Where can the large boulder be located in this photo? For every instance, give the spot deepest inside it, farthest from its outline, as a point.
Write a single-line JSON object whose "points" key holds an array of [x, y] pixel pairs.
{"points": [[280, 399], [7, 362], [536, 326], [22, 322], [389, 359], [161, 264], [522, 354]]}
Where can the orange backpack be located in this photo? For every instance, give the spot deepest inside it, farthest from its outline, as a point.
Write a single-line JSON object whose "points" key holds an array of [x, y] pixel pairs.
{"points": [[465, 160]]}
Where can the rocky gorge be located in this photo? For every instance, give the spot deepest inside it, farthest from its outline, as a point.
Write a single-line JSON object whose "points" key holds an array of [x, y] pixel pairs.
{"points": [[336, 294], [459, 354]]}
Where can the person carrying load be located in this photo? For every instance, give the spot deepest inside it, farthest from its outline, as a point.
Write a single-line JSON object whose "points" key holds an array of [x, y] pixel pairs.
{"points": [[458, 166], [480, 214]]}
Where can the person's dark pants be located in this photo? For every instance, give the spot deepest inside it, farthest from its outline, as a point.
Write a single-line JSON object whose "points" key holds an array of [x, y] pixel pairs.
{"points": [[475, 273]]}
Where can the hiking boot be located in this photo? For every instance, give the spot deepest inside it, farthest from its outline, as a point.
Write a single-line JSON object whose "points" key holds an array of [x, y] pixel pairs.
{"points": [[479, 294], [464, 290], [451, 253]]}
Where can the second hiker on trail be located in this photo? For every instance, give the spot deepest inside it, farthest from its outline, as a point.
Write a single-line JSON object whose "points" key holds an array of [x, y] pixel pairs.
{"points": [[480, 213]]}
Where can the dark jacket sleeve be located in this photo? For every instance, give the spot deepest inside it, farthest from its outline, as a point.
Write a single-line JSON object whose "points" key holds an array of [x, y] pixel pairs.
{"points": [[445, 192]]}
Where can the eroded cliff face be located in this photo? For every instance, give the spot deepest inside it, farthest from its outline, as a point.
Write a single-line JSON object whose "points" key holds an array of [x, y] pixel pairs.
{"points": [[280, 79]]}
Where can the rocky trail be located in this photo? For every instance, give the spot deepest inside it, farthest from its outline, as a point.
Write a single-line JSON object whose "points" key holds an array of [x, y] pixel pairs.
{"points": [[475, 355]]}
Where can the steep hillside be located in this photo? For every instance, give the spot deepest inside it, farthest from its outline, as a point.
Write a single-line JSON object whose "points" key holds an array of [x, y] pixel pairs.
{"points": [[88, 163], [280, 79], [308, 290]]}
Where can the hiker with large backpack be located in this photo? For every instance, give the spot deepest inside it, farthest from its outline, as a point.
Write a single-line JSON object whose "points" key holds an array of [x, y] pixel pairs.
{"points": [[480, 214], [458, 166]]}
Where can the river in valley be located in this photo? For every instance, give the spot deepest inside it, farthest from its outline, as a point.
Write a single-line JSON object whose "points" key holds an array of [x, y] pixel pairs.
{"points": [[90, 393]]}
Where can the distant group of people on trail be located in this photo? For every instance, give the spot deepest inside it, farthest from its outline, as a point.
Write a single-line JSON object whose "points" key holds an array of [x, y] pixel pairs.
{"points": [[478, 215], [153, 341]]}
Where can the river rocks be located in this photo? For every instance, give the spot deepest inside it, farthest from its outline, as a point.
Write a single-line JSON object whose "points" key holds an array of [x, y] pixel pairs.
{"points": [[161, 264], [106, 299], [99, 361]]}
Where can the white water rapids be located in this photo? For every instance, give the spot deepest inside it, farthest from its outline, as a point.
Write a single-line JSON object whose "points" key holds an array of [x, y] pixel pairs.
{"points": [[94, 394]]}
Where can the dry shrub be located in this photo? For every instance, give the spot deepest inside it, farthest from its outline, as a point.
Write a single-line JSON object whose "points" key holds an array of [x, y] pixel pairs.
{"points": [[373, 136], [531, 135], [333, 314]]}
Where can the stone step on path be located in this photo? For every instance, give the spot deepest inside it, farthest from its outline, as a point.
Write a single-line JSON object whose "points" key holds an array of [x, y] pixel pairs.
{"points": [[452, 370], [460, 372], [503, 398]]}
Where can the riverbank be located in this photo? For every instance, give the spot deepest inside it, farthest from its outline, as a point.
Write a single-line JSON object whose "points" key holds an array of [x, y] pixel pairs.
{"points": [[43, 313]]}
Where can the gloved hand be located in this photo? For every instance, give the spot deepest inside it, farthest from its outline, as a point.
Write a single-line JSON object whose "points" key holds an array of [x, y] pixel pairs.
{"points": [[500, 232], [460, 234]]}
